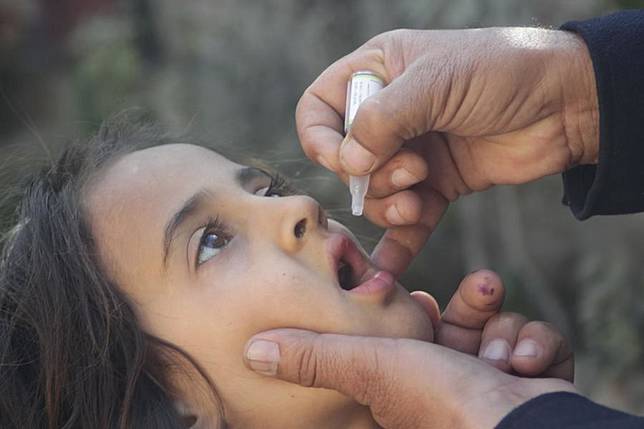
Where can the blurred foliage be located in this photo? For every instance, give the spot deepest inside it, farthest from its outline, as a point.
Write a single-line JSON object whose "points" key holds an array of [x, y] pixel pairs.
{"points": [[231, 72], [628, 4], [108, 70]]}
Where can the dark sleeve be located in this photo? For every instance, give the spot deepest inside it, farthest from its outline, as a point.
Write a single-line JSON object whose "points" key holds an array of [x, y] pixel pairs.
{"points": [[616, 184], [567, 410]]}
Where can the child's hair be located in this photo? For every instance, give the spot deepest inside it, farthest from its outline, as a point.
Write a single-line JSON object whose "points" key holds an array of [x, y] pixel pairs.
{"points": [[72, 353]]}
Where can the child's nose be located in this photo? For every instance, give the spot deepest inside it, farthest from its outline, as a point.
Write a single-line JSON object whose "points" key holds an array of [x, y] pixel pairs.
{"points": [[298, 217]]}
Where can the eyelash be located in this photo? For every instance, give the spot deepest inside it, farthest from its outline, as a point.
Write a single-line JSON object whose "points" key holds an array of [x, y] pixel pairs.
{"points": [[279, 186]]}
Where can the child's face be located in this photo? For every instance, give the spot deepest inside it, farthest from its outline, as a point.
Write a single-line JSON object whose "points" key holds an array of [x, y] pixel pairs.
{"points": [[271, 262]]}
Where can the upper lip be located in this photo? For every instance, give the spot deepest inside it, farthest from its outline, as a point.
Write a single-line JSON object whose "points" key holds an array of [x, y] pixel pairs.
{"points": [[341, 248]]}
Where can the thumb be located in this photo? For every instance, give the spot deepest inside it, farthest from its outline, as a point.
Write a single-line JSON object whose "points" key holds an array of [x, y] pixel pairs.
{"points": [[359, 367], [405, 383], [383, 123]]}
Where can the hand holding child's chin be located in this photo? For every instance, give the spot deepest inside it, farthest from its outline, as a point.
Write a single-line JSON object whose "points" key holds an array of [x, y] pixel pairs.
{"points": [[408, 383]]}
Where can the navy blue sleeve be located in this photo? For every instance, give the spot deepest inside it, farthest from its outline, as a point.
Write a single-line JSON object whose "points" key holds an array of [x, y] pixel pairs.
{"points": [[616, 184], [564, 410]]}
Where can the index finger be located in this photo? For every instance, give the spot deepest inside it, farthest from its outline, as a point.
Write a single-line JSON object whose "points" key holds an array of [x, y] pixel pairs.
{"points": [[319, 115], [400, 245]]}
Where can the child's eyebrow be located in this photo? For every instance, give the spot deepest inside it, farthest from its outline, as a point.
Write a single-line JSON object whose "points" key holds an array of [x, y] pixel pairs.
{"points": [[195, 203], [192, 206]]}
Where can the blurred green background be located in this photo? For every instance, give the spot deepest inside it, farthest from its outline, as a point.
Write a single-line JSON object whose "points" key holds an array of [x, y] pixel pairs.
{"points": [[231, 72]]}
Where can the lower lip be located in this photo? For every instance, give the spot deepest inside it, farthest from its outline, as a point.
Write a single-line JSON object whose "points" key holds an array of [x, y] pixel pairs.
{"points": [[382, 283]]}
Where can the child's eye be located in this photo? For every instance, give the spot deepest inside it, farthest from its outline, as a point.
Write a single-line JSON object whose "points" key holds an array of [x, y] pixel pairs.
{"points": [[211, 244], [266, 191], [212, 241]]}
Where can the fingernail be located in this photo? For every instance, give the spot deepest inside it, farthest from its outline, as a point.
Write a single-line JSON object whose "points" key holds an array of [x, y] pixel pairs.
{"points": [[324, 163], [263, 357], [527, 348], [393, 216], [497, 350], [402, 178], [357, 157]]}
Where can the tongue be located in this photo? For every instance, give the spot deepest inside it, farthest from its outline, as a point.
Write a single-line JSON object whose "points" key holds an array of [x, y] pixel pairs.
{"points": [[372, 282]]}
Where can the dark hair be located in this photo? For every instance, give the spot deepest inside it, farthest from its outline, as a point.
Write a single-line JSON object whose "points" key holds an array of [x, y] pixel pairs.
{"points": [[72, 353]]}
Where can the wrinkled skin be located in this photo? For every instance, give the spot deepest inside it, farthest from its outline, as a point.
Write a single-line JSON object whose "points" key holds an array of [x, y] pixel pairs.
{"points": [[463, 110]]}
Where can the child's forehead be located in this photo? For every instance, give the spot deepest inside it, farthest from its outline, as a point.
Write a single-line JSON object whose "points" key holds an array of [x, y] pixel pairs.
{"points": [[158, 175], [135, 197], [173, 156], [166, 162]]}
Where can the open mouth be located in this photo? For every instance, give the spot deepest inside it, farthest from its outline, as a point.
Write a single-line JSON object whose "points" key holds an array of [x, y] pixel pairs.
{"points": [[346, 279], [355, 275], [349, 263]]}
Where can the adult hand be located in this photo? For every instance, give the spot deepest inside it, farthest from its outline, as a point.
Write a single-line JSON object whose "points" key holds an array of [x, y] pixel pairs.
{"points": [[473, 323], [463, 110], [411, 384]]}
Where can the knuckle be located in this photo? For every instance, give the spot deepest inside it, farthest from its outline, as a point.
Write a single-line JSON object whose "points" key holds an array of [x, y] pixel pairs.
{"points": [[409, 206], [373, 111], [307, 139], [508, 319], [379, 381], [375, 118], [307, 144], [410, 161], [398, 33], [383, 38], [300, 107], [538, 327], [308, 365], [375, 215]]}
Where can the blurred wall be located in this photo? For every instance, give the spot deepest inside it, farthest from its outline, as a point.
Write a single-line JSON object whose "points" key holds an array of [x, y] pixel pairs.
{"points": [[231, 71]]}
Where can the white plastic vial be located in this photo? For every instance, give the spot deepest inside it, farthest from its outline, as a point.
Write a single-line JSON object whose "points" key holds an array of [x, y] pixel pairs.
{"points": [[363, 84]]}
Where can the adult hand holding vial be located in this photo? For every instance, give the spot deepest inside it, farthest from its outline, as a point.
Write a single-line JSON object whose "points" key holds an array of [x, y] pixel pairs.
{"points": [[461, 111]]}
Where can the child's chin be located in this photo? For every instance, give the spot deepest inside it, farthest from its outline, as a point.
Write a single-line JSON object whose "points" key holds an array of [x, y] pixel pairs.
{"points": [[411, 321], [423, 332], [401, 319]]}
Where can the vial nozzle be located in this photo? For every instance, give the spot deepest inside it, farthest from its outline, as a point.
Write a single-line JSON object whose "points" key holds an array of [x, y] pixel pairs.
{"points": [[358, 186]]}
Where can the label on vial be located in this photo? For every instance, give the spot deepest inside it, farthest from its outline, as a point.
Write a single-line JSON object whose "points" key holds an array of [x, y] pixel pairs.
{"points": [[362, 85]]}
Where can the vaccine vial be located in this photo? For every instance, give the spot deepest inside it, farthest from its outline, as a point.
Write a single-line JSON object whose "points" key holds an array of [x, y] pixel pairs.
{"points": [[362, 85]]}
